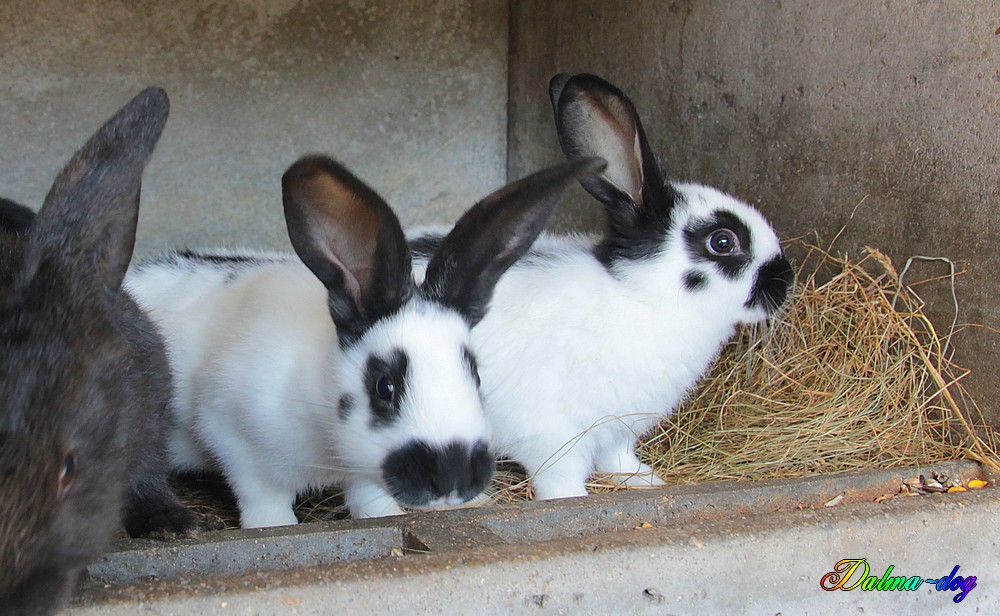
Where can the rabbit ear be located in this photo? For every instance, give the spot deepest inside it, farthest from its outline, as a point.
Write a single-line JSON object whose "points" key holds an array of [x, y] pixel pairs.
{"points": [[594, 118], [14, 217], [350, 239], [86, 226], [494, 234]]}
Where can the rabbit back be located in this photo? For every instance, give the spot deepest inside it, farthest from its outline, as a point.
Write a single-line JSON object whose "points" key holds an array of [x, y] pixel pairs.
{"points": [[249, 338]]}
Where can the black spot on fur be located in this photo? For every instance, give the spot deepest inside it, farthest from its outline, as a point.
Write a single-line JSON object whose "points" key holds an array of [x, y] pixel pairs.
{"points": [[695, 281], [234, 264], [770, 289], [418, 473], [344, 406], [353, 324], [637, 233], [425, 246], [696, 237], [395, 369], [471, 364], [192, 255]]}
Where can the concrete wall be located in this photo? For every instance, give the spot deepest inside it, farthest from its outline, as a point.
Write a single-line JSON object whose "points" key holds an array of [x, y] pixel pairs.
{"points": [[805, 109], [412, 96]]}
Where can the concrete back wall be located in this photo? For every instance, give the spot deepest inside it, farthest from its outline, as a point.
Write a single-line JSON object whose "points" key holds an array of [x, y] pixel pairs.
{"points": [[411, 96], [805, 109]]}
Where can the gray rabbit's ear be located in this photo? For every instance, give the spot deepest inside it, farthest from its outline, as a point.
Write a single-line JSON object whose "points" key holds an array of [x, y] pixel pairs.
{"points": [[14, 217], [85, 230]]}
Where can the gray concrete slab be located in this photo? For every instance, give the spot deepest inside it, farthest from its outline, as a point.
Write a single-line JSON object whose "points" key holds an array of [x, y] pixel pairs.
{"points": [[220, 553], [742, 549]]}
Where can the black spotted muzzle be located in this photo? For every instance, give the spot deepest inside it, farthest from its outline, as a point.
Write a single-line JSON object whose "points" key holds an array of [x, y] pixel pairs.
{"points": [[422, 476], [770, 289]]}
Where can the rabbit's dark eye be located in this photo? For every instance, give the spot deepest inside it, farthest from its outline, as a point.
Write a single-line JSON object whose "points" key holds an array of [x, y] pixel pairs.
{"points": [[385, 388], [385, 381], [723, 242], [67, 473]]}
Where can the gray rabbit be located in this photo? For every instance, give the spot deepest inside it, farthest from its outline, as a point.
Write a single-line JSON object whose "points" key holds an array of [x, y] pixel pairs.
{"points": [[84, 378]]}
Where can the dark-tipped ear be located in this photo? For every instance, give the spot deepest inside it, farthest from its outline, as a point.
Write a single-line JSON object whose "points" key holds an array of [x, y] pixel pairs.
{"points": [[14, 217], [86, 227], [594, 118], [494, 234], [350, 239]]}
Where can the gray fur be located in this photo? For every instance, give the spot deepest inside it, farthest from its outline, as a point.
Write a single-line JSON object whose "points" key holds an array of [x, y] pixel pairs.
{"points": [[83, 374]]}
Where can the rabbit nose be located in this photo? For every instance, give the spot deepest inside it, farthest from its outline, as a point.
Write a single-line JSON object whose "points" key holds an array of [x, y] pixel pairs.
{"points": [[770, 289], [420, 475]]}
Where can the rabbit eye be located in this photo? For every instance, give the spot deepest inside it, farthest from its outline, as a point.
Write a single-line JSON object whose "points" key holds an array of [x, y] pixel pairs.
{"points": [[67, 473], [723, 242], [385, 382], [385, 388]]}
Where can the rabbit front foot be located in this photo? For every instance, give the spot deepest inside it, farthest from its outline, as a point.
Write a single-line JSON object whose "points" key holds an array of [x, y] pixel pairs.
{"points": [[264, 506], [158, 513], [625, 469], [367, 499], [562, 478]]}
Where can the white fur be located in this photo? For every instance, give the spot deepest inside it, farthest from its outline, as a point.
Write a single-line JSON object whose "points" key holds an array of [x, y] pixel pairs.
{"points": [[259, 374], [268, 393], [577, 361]]}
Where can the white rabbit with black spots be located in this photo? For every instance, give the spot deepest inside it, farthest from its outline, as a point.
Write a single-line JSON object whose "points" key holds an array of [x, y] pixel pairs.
{"points": [[336, 367], [592, 342]]}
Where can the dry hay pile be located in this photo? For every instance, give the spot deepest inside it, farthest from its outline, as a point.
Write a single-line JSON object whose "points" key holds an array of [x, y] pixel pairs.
{"points": [[852, 376]]}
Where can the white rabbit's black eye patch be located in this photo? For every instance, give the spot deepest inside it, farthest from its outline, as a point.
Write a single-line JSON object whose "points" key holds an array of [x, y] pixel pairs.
{"points": [[344, 406], [471, 364], [722, 239], [385, 381]]}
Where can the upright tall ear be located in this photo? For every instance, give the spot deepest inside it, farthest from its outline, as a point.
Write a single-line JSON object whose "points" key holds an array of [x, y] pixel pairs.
{"points": [[495, 233], [594, 118], [14, 217], [350, 239], [86, 226]]}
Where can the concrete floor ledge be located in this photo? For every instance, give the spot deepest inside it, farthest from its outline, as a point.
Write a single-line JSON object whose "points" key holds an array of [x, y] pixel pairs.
{"points": [[735, 547]]}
